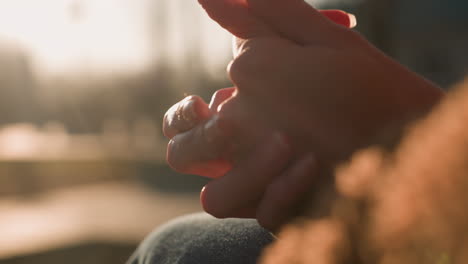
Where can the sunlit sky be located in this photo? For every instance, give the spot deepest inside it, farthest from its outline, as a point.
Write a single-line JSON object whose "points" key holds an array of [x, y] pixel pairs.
{"points": [[109, 35], [65, 35]]}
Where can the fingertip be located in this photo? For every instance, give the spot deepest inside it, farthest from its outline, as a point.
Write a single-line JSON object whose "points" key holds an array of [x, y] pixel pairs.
{"points": [[205, 202], [185, 115], [172, 158], [219, 97], [211, 206]]}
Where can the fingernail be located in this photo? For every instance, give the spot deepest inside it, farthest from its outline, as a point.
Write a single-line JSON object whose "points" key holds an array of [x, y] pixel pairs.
{"points": [[352, 20]]}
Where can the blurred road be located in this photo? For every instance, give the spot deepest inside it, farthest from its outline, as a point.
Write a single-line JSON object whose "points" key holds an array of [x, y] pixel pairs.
{"points": [[86, 215]]}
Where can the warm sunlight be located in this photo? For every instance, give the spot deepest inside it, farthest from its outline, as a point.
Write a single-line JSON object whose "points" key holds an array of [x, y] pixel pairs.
{"points": [[108, 35], [63, 35]]}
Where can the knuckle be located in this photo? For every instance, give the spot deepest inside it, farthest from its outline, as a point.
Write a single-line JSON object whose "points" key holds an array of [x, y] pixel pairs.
{"points": [[252, 61], [259, 60], [241, 69]]}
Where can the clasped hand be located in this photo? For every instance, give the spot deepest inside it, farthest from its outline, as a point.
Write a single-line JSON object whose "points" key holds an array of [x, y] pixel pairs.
{"points": [[308, 91]]}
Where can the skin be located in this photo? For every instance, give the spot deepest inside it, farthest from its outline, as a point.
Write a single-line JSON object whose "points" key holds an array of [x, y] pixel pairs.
{"points": [[295, 71], [189, 125]]}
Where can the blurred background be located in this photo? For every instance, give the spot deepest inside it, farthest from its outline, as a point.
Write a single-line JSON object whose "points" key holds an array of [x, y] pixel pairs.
{"points": [[83, 88]]}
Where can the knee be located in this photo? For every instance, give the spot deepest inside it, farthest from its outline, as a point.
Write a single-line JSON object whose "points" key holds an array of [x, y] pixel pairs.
{"points": [[201, 238]]}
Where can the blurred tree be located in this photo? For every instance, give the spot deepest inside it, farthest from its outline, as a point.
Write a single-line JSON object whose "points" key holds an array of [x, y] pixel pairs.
{"points": [[18, 90], [158, 27]]}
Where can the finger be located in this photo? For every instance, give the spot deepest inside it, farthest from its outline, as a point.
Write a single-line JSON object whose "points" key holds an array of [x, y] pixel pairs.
{"points": [[340, 17], [185, 115], [245, 183], [219, 97], [248, 212], [209, 148], [201, 150], [296, 20], [234, 16], [283, 195], [246, 128], [337, 16]]}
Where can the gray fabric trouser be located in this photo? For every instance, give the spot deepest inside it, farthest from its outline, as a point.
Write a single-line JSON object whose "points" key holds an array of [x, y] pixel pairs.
{"points": [[200, 238]]}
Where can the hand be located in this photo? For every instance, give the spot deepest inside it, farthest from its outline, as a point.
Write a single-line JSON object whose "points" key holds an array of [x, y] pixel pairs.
{"points": [[205, 139], [327, 87], [267, 185], [202, 136], [190, 151], [323, 84]]}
